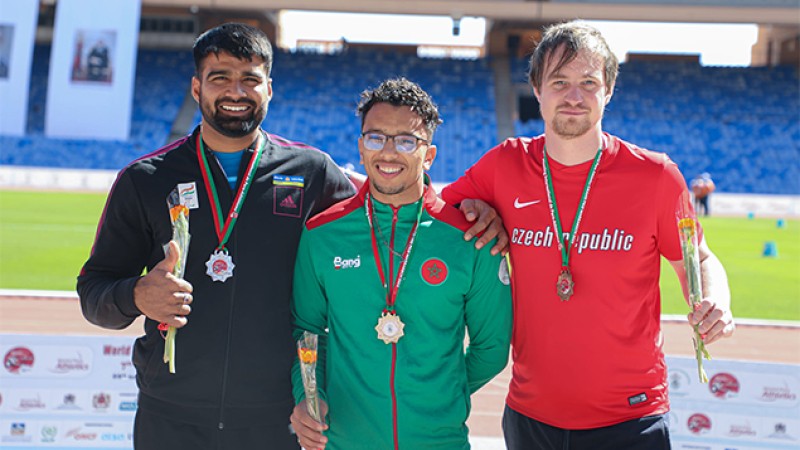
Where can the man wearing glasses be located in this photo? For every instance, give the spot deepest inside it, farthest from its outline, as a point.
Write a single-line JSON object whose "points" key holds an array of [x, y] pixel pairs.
{"points": [[389, 284]]}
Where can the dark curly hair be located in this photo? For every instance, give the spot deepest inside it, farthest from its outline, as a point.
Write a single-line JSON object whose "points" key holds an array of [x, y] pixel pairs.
{"points": [[402, 92], [240, 40]]}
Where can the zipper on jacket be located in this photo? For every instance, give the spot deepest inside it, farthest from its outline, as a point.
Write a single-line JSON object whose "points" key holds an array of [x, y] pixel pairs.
{"points": [[394, 344], [221, 423]]}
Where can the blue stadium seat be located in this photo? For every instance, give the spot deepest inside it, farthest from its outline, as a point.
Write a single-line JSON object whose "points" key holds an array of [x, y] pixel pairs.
{"points": [[739, 124]]}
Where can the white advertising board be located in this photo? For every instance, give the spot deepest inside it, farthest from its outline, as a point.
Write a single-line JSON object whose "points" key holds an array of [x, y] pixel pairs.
{"points": [[17, 33], [67, 392]]}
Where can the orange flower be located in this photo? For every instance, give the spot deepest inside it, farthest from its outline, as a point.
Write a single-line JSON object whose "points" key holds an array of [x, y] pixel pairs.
{"points": [[306, 355], [176, 211]]}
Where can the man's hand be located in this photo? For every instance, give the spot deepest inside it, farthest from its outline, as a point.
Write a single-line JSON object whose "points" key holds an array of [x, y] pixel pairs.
{"points": [[713, 315], [309, 431], [161, 296], [713, 321], [486, 221]]}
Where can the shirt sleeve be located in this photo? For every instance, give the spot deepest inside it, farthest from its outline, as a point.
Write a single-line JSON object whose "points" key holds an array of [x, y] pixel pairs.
{"points": [[337, 187], [674, 198], [488, 319], [309, 313], [476, 183], [120, 253]]}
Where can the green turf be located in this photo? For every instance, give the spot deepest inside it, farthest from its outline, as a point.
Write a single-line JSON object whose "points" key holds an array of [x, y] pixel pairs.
{"points": [[45, 237], [761, 287]]}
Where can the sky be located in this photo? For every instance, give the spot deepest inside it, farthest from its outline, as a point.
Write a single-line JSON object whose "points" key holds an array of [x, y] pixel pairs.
{"points": [[717, 44]]}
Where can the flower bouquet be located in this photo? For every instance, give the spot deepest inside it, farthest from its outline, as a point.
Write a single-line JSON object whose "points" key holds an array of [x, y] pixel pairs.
{"points": [[307, 353], [687, 228], [179, 216]]}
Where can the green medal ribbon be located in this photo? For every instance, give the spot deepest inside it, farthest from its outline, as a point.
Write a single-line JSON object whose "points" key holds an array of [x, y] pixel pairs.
{"points": [[565, 282]]}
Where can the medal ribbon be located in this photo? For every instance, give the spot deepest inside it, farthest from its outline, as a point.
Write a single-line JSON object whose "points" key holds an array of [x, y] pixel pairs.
{"points": [[224, 232], [391, 295], [565, 247]]}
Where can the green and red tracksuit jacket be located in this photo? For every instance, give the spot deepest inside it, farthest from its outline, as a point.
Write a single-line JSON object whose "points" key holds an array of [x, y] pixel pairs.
{"points": [[414, 394]]}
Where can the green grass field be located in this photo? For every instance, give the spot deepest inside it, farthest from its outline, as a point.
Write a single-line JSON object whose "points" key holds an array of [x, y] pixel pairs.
{"points": [[45, 237]]}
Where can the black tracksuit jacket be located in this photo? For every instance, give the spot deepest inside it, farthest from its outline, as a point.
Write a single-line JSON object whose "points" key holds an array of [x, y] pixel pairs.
{"points": [[234, 357]]}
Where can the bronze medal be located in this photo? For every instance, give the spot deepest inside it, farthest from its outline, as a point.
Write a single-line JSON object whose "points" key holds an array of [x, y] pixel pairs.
{"points": [[564, 285]]}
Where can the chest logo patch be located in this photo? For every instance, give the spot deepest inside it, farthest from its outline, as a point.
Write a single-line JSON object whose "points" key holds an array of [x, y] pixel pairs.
{"points": [[288, 201], [434, 271]]}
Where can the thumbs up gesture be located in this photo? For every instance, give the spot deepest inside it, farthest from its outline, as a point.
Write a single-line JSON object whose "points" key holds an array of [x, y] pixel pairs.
{"points": [[161, 296]]}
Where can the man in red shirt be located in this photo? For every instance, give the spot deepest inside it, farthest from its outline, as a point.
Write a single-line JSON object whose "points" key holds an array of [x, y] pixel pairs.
{"points": [[589, 217]]}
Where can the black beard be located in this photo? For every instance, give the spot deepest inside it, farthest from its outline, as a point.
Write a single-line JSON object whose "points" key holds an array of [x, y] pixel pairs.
{"points": [[235, 127]]}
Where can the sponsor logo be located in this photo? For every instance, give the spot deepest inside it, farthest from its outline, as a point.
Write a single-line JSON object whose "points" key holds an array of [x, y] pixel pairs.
{"points": [[68, 402], [343, 263], [49, 433], [112, 437], [16, 433], [288, 203], [288, 200], [699, 423], [518, 204], [116, 350], [741, 430], [723, 385], [776, 394], [31, 403], [68, 365], [127, 406], [79, 435], [101, 401], [781, 432], [18, 360], [607, 241], [434, 271], [18, 429]]}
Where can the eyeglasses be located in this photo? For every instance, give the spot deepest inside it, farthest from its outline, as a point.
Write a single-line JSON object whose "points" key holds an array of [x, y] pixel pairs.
{"points": [[404, 143]]}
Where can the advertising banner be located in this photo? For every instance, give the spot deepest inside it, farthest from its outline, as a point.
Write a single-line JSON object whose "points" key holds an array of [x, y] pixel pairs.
{"points": [[66, 392]]}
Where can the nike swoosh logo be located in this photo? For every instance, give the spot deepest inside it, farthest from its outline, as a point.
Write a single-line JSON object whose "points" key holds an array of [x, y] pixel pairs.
{"points": [[518, 204]]}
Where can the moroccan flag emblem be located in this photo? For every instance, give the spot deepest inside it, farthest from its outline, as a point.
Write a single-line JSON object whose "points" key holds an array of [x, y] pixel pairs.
{"points": [[434, 271]]}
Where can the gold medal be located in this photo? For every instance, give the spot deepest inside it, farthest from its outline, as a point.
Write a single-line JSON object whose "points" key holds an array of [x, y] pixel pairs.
{"points": [[564, 285], [220, 266], [389, 328]]}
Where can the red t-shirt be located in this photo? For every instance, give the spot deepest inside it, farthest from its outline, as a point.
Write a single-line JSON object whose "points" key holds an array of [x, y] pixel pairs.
{"points": [[596, 359]]}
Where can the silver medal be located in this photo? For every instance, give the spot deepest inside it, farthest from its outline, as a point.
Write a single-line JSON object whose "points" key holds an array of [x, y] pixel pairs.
{"points": [[220, 266]]}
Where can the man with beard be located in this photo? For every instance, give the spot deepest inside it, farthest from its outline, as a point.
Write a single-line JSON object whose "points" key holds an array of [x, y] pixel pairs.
{"points": [[589, 216], [248, 194]]}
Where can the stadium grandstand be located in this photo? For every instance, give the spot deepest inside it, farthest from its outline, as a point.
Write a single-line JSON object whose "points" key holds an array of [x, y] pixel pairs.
{"points": [[739, 123]]}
